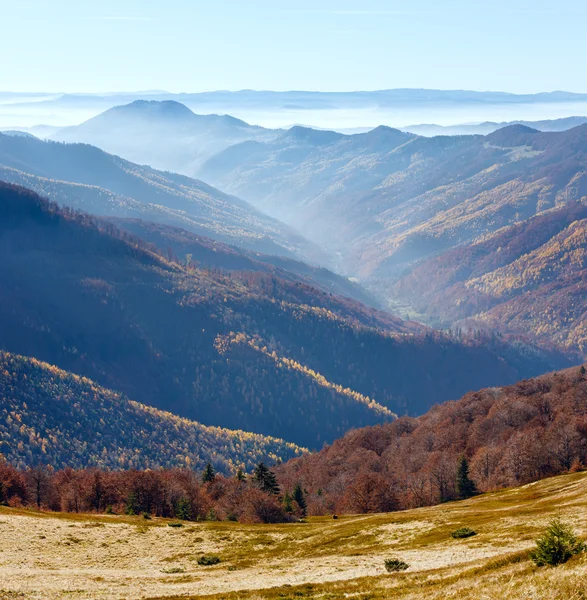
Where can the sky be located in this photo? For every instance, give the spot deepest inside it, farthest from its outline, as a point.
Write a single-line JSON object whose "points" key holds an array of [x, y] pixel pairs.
{"points": [[519, 46]]}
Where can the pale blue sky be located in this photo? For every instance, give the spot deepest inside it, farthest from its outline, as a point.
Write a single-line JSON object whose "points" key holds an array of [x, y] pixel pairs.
{"points": [[198, 45]]}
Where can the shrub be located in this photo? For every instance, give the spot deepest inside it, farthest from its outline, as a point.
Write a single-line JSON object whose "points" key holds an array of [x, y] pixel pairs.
{"points": [[173, 570], [175, 524], [392, 565], [556, 545], [208, 559], [147, 516], [463, 532]]}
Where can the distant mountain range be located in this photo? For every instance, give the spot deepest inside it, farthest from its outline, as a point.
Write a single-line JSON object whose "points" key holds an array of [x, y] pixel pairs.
{"points": [[165, 135], [491, 126], [252, 351]]}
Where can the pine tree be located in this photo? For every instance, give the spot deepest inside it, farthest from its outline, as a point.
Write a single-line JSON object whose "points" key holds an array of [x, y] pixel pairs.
{"points": [[287, 503], [298, 496], [183, 510], [240, 475], [132, 504], [465, 485], [208, 475], [266, 479]]}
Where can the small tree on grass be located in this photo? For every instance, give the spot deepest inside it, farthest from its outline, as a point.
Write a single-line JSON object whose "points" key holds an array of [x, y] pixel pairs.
{"points": [[556, 545], [465, 485]]}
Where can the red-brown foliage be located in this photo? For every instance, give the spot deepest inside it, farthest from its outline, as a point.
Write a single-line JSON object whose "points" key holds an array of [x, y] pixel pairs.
{"points": [[510, 436]]}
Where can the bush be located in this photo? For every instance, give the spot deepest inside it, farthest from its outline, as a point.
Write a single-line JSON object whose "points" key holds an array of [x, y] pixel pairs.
{"points": [[146, 516], [208, 559], [175, 524], [556, 545], [463, 532], [392, 565]]}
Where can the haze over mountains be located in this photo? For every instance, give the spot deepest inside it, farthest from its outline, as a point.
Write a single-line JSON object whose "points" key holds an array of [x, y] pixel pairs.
{"points": [[253, 352], [215, 306], [87, 178], [334, 110]]}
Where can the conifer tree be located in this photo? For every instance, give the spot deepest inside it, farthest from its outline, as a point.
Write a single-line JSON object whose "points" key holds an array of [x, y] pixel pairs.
{"points": [[132, 504], [183, 510], [465, 485], [287, 503], [240, 475], [299, 497], [208, 475], [266, 479]]}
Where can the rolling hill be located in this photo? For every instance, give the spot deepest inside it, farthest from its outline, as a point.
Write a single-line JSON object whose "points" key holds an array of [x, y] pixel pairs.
{"points": [[255, 352], [49, 416], [89, 179]]}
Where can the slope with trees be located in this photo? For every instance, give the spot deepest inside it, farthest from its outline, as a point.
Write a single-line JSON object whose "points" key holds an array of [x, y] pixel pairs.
{"points": [[489, 439], [51, 417], [89, 179], [252, 352]]}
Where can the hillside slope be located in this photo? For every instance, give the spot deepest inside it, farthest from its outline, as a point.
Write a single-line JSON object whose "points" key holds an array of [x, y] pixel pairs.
{"points": [[257, 353], [528, 277], [385, 200], [49, 416], [510, 436], [89, 179], [107, 556]]}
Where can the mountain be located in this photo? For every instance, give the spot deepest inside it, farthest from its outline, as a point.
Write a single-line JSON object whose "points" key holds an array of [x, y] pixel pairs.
{"points": [[210, 254], [488, 127], [528, 277], [89, 179], [384, 203], [253, 352], [510, 436], [53, 417], [163, 134]]}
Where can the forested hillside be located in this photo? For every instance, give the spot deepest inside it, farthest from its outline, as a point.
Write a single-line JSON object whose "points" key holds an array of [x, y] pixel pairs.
{"points": [[210, 254], [253, 352], [527, 278], [51, 417], [507, 436], [89, 179], [385, 199]]}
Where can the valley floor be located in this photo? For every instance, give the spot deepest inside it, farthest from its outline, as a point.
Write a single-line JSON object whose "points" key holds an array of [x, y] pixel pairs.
{"points": [[52, 556]]}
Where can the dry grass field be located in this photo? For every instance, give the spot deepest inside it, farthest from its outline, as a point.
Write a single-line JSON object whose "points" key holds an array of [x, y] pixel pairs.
{"points": [[48, 556]]}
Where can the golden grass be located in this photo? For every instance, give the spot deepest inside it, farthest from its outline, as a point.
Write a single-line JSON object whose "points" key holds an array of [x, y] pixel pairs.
{"points": [[52, 556]]}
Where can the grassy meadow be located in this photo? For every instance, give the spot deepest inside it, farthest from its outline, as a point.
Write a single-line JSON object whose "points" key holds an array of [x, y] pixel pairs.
{"points": [[52, 556]]}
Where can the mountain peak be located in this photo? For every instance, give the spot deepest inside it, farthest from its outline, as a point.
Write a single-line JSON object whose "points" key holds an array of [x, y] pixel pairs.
{"points": [[511, 136], [317, 137], [163, 108]]}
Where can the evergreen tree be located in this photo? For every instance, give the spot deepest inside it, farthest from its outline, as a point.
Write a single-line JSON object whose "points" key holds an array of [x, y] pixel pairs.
{"points": [[208, 475], [240, 475], [183, 510], [465, 485], [266, 479], [132, 504], [287, 503], [298, 496]]}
